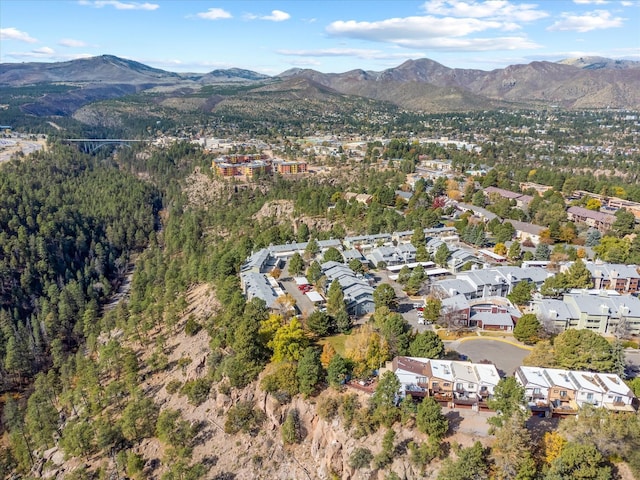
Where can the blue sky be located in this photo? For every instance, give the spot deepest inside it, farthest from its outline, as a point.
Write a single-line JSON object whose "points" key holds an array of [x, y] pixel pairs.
{"points": [[329, 36]]}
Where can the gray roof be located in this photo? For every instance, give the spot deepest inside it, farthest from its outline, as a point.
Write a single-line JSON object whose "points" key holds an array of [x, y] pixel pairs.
{"points": [[488, 318], [368, 238], [616, 270], [256, 261], [455, 303], [482, 277], [554, 309], [352, 254], [288, 247], [406, 248], [462, 254], [434, 243], [404, 195], [439, 230], [455, 286], [332, 242], [326, 266], [598, 216], [596, 305], [483, 212], [535, 275], [257, 285], [526, 227]]}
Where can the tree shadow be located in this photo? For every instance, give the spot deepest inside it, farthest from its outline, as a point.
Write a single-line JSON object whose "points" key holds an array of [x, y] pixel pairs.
{"points": [[455, 419], [225, 476], [538, 426], [403, 447]]}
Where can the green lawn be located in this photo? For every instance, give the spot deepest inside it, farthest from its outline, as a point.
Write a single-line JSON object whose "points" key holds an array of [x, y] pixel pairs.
{"points": [[336, 341]]}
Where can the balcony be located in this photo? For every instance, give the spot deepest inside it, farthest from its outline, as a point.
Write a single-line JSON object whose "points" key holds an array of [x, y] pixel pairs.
{"points": [[564, 408]]}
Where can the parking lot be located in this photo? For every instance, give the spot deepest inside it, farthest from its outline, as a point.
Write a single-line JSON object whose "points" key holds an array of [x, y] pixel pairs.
{"points": [[406, 305], [505, 356]]}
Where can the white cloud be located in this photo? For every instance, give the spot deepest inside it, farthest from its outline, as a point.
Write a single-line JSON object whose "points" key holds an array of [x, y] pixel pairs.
{"points": [[120, 5], [214, 14], [41, 54], [495, 9], [43, 51], [596, 20], [70, 42], [591, 2], [15, 34], [275, 16], [430, 32], [397, 30]]}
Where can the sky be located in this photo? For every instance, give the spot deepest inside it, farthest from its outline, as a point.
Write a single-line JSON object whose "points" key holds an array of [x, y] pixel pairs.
{"points": [[330, 36]]}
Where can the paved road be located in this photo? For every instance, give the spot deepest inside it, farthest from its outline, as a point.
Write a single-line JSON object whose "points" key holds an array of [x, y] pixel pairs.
{"points": [[305, 305], [505, 356], [632, 362]]}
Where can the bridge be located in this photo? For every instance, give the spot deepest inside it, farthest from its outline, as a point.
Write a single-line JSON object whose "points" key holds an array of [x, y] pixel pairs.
{"points": [[90, 145]]}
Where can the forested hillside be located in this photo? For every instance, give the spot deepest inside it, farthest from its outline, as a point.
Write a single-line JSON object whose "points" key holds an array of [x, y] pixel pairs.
{"points": [[68, 224]]}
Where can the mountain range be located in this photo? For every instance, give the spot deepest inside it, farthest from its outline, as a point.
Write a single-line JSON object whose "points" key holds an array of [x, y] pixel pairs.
{"points": [[421, 85]]}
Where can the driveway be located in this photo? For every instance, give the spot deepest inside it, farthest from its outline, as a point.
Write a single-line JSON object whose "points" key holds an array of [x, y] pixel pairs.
{"points": [[505, 356], [405, 303]]}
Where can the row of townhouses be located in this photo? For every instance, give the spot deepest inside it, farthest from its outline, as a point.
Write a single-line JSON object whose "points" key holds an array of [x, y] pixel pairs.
{"points": [[566, 391], [489, 282], [595, 310], [454, 383], [548, 390], [358, 293]]}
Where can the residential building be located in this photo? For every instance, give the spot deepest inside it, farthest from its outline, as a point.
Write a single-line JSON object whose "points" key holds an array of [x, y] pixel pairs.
{"points": [[601, 221], [490, 282], [618, 277], [289, 168], [522, 201], [601, 313], [368, 242], [539, 188], [358, 294], [259, 262], [256, 285], [562, 392], [400, 255], [458, 384], [527, 231], [481, 213], [491, 313]]}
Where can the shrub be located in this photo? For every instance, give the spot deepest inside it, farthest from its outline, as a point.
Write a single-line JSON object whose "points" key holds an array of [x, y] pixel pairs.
{"points": [[197, 391], [283, 379], [348, 409], [173, 386], [291, 428], [192, 327], [360, 458], [242, 417], [328, 408]]}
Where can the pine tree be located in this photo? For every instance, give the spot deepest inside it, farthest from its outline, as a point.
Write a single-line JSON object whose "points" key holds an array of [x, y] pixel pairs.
{"points": [[430, 420], [335, 299], [309, 370]]}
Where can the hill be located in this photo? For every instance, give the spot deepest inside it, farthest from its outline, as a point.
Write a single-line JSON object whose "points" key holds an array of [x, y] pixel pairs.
{"points": [[62, 89]]}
